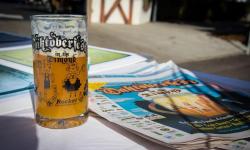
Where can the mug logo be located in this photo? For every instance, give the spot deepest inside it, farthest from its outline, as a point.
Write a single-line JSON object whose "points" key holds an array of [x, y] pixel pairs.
{"points": [[46, 43]]}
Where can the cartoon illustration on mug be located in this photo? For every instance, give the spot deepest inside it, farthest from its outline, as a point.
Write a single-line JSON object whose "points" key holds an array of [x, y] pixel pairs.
{"points": [[48, 78], [53, 99], [72, 82]]}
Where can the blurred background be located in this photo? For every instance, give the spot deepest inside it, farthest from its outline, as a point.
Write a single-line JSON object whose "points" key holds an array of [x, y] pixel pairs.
{"points": [[210, 36]]}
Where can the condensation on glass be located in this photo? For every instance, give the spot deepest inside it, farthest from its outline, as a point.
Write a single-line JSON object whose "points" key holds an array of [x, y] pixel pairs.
{"points": [[60, 53]]}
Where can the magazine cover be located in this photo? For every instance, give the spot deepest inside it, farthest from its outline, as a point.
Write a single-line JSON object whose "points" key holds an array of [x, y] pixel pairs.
{"points": [[172, 106]]}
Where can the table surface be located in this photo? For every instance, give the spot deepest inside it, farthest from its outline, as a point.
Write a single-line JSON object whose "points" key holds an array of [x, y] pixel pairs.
{"points": [[19, 130]]}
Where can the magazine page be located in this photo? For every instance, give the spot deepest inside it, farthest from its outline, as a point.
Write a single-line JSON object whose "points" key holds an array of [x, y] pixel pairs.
{"points": [[101, 59], [131, 69], [8, 39], [157, 68], [173, 106], [13, 80], [232, 84], [243, 144]]}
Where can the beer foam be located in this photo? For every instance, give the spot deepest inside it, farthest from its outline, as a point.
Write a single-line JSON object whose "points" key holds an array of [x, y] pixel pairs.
{"points": [[59, 38]]}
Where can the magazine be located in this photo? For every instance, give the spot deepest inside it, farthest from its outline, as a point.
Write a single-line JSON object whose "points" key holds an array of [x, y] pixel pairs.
{"points": [[172, 106]]}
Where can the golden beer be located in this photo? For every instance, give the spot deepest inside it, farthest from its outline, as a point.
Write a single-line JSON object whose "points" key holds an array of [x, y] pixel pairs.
{"points": [[60, 76]]}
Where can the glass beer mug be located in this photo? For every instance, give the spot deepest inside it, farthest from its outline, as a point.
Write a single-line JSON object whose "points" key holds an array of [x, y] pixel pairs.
{"points": [[60, 52]]}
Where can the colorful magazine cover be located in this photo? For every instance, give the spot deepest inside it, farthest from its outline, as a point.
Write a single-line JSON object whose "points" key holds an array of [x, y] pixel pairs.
{"points": [[172, 106]]}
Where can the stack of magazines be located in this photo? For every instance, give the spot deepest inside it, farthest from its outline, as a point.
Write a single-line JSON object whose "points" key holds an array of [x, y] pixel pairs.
{"points": [[171, 106], [161, 102]]}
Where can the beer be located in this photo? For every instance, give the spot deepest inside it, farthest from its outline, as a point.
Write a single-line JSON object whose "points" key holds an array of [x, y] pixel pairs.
{"points": [[60, 72]]}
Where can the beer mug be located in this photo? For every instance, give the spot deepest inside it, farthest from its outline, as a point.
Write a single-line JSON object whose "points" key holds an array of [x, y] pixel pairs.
{"points": [[60, 52]]}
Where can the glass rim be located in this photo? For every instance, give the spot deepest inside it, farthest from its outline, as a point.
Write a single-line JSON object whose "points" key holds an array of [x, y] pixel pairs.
{"points": [[57, 17]]}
